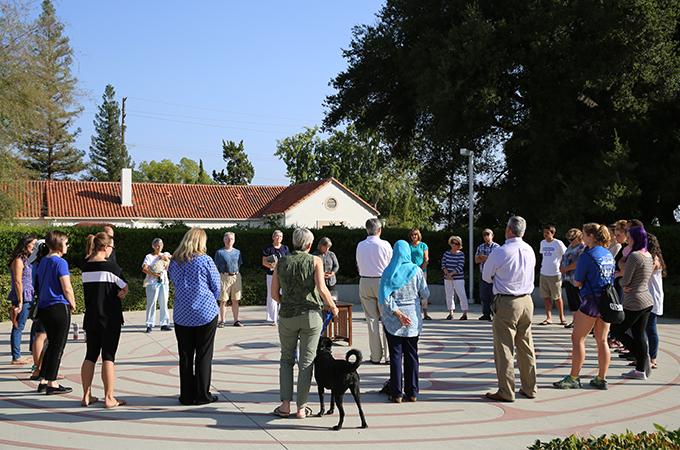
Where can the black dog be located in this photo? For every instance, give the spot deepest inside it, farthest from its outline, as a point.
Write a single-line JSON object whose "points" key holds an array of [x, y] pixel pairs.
{"points": [[338, 376]]}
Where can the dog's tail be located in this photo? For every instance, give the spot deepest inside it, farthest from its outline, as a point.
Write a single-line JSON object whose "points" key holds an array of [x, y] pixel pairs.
{"points": [[357, 358]]}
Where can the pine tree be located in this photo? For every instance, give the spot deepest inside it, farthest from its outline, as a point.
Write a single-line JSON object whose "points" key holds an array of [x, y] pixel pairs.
{"points": [[108, 154], [203, 178], [48, 146], [239, 168]]}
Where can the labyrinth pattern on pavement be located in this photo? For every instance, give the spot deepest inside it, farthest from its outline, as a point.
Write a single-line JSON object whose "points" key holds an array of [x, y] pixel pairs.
{"points": [[456, 369]]}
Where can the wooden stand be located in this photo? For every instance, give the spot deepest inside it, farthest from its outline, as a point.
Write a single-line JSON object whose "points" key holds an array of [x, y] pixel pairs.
{"points": [[340, 328]]}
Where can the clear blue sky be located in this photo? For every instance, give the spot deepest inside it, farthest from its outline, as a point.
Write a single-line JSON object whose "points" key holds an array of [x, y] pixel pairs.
{"points": [[199, 72]]}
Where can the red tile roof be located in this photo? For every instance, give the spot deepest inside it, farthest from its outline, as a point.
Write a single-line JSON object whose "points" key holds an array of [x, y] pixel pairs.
{"points": [[90, 199], [30, 196]]}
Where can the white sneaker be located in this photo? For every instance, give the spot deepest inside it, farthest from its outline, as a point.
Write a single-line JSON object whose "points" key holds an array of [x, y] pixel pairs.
{"points": [[635, 375]]}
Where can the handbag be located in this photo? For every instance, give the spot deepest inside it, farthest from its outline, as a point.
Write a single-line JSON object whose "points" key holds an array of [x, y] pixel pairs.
{"points": [[33, 310], [609, 303]]}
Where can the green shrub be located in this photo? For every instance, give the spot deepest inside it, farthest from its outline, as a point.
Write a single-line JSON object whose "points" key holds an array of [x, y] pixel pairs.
{"points": [[660, 440]]}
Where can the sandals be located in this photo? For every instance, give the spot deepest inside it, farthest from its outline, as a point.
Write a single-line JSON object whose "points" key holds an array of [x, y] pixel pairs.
{"points": [[118, 403], [92, 400], [546, 322], [307, 412], [278, 412]]}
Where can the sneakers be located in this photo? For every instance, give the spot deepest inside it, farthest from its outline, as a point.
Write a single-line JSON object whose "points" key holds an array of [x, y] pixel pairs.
{"points": [[57, 390], [635, 375], [166, 328], [148, 329], [568, 382], [487, 318], [599, 383]]}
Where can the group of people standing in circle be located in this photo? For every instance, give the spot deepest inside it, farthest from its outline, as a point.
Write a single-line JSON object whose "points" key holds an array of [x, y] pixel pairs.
{"points": [[393, 292]]}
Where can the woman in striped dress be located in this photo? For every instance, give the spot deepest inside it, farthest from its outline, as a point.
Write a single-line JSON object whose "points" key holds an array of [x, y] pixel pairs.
{"points": [[453, 266]]}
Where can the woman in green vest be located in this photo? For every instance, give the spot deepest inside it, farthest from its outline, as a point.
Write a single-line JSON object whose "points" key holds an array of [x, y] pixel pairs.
{"points": [[303, 293]]}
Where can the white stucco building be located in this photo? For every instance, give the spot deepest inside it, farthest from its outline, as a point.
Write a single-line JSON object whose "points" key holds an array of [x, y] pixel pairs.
{"points": [[151, 205]]}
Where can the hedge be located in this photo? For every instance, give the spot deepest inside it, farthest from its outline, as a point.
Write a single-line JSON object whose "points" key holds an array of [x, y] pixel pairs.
{"points": [[660, 440], [132, 244]]}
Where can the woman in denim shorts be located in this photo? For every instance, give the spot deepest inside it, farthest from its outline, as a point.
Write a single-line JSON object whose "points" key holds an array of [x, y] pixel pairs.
{"points": [[594, 271]]}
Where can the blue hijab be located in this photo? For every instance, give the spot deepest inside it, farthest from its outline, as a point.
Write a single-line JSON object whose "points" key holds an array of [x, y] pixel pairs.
{"points": [[399, 271]]}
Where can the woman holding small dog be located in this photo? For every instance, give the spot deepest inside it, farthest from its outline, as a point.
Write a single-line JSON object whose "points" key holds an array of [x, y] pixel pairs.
{"points": [[402, 289], [302, 295], [157, 286]]}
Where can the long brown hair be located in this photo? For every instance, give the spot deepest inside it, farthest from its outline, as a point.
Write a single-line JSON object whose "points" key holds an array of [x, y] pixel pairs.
{"points": [[654, 249], [21, 249]]}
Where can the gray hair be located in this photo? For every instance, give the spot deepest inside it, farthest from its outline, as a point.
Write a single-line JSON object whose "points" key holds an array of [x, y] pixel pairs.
{"points": [[302, 239], [325, 241], [373, 225], [277, 232], [229, 233], [156, 241], [517, 225]]}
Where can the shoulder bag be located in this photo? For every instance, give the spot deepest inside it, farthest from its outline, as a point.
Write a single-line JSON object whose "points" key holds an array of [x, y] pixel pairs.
{"points": [[611, 309]]}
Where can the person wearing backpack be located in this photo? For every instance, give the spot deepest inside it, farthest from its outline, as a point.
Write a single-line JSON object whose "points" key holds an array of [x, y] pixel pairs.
{"points": [[594, 271]]}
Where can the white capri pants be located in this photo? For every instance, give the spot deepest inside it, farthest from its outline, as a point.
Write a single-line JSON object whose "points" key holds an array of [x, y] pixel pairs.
{"points": [[272, 306], [453, 288]]}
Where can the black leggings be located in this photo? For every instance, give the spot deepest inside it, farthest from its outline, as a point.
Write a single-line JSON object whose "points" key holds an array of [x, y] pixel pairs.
{"points": [[57, 320], [104, 341], [636, 321]]}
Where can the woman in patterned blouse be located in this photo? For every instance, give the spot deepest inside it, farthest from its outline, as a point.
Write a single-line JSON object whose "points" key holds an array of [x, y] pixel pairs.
{"points": [[197, 288]]}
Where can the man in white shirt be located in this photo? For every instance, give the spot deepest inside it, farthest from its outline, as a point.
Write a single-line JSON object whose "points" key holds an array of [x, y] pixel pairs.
{"points": [[373, 255], [510, 268], [550, 284]]}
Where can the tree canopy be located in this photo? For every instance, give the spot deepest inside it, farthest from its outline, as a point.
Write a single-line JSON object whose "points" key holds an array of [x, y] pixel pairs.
{"points": [[48, 143], [360, 162], [571, 107], [187, 171], [239, 168]]}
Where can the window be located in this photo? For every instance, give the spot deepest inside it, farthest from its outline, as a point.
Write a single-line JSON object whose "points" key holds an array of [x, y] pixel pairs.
{"points": [[331, 203]]}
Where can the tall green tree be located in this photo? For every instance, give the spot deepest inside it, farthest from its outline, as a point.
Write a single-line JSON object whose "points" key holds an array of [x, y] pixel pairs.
{"points": [[573, 95], [48, 145], [108, 154], [239, 169], [361, 163]]}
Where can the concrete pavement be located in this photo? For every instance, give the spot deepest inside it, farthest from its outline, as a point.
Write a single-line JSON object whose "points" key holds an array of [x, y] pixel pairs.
{"points": [[456, 370]]}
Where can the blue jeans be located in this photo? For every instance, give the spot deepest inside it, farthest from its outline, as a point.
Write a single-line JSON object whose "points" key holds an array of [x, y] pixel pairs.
{"points": [[15, 338], [486, 296], [406, 349], [652, 336]]}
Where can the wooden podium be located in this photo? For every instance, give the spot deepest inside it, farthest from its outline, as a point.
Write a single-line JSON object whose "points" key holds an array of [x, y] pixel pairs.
{"points": [[340, 328]]}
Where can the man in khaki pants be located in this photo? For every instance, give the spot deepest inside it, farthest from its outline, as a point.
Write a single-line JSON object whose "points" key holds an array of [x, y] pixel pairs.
{"points": [[510, 269], [373, 255]]}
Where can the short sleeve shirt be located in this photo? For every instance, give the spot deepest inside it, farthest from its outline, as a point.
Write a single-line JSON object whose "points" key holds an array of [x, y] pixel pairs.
{"points": [[149, 261], [50, 271], [228, 261], [485, 249], [595, 269], [274, 253], [418, 253], [552, 256]]}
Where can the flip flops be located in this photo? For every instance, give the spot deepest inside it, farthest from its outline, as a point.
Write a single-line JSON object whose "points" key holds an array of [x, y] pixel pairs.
{"points": [[85, 404], [307, 411], [118, 403], [278, 412], [546, 322]]}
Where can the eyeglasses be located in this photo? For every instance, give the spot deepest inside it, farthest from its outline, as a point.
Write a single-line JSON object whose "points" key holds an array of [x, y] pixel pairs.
{"points": [[456, 244]]}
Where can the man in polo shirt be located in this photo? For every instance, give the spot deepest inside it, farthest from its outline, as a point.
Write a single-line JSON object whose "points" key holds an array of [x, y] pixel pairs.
{"points": [[510, 268], [373, 255], [485, 289]]}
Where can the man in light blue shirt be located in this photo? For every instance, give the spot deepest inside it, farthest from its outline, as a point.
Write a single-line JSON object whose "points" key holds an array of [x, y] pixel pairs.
{"points": [[228, 261], [510, 268]]}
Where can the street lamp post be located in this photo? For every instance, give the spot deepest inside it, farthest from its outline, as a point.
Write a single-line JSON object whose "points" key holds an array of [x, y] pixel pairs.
{"points": [[471, 208]]}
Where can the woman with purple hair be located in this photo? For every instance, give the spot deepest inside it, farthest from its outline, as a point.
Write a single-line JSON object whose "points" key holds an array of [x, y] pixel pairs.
{"points": [[637, 302]]}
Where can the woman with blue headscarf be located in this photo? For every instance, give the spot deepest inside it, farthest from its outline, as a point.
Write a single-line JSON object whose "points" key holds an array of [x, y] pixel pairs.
{"points": [[402, 287]]}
